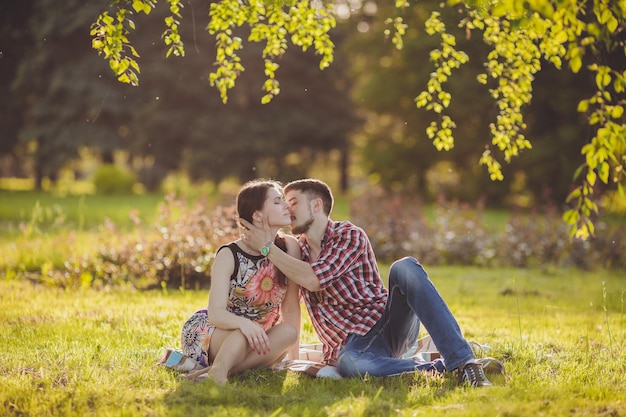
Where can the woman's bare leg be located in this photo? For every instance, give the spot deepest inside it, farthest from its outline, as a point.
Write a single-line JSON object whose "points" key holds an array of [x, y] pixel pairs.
{"points": [[233, 354], [282, 337], [227, 349]]}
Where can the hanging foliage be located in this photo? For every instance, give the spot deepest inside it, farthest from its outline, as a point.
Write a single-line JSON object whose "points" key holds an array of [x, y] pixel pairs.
{"points": [[523, 35]]}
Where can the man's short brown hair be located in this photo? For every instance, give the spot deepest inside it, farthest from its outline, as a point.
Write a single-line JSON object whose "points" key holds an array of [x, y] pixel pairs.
{"points": [[313, 188]]}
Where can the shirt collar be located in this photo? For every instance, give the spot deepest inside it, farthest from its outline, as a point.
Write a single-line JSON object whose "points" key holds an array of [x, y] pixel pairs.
{"points": [[330, 231]]}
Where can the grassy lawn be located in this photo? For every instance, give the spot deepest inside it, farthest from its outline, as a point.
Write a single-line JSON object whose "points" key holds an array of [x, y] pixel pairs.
{"points": [[561, 337], [561, 334], [78, 212], [87, 212]]}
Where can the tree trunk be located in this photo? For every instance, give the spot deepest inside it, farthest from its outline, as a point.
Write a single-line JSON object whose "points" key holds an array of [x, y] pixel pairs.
{"points": [[107, 157], [38, 178], [343, 170]]}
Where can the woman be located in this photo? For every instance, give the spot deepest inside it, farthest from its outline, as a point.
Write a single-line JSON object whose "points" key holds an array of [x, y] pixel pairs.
{"points": [[253, 317]]}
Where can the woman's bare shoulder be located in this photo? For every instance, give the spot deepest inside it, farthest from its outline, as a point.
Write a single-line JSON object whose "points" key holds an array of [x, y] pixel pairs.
{"points": [[293, 247]]}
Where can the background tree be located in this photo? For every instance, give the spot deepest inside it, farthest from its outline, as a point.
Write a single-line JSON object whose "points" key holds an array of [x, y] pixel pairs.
{"points": [[395, 143], [242, 138], [579, 33], [64, 99], [558, 132], [15, 41], [66, 107], [518, 33]]}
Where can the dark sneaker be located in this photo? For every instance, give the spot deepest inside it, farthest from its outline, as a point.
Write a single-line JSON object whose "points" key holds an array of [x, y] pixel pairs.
{"points": [[491, 366], [472, 373]]}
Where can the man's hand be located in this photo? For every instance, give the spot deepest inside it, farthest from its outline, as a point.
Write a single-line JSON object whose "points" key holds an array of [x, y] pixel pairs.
{"points": [[256, 237], [298, 271]]}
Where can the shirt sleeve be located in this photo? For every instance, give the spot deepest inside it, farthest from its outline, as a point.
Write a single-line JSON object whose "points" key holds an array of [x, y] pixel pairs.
{"points": [[339, 254]]}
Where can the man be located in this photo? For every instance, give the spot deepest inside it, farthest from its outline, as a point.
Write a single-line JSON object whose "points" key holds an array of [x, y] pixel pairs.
{"points": [[363, 326]]}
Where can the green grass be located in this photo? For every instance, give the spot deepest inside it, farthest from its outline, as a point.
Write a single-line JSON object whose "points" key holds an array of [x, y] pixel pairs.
{"points": [[88, 211], [48, 212], [39, 229], [561, 337], [79, 212], [561, 334]]}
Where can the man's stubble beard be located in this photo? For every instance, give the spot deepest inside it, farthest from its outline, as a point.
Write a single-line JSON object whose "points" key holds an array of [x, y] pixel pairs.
{"points": [[303, 228]]}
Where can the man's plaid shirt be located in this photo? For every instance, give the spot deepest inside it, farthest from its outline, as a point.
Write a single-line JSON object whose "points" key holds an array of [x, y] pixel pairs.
{"points": [[352, 296]]}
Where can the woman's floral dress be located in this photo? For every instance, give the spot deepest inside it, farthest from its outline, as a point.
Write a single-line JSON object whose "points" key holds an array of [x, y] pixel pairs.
{"points": [[255, 293]]}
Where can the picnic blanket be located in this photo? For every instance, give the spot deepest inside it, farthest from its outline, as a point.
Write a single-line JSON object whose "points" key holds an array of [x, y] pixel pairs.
{"points": [[310, 361]]}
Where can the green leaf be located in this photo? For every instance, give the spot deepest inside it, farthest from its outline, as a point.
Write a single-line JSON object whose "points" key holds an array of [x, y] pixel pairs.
{"points": [[612, 24], [575, 63], [604, 172], [603, 78], [617, 112], [138, 5], [570, 217], [582, 233], [591, 177], [574, 194], [561, 36]]}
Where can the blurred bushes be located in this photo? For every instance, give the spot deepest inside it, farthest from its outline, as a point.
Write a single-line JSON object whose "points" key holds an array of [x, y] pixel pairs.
{"points": [[398, 227], [111, 179], [177, 252]]}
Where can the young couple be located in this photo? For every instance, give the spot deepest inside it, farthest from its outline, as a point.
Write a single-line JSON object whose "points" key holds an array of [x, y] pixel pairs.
{"points": [[253, 316]]}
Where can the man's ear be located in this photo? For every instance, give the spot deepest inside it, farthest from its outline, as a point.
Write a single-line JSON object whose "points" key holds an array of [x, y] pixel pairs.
{"points": [[318, 205]]}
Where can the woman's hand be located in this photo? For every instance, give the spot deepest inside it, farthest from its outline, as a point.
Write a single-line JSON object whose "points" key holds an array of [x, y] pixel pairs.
{"points": [[256, 336]]}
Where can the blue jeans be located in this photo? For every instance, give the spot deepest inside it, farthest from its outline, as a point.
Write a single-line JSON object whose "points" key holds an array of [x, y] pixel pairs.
{"points": [[413, 299]]}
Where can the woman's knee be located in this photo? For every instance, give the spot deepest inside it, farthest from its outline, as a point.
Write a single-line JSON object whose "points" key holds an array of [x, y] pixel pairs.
{"points": [[291, 333], [286, 332]]}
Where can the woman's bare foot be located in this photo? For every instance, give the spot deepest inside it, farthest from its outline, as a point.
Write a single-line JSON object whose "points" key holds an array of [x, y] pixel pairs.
{"points": [[194, 375], [218, 375]]}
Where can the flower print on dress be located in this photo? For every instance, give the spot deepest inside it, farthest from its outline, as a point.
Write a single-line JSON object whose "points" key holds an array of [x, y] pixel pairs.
{"points": [[247, 267], [196, 337], [241, 308], [269, 320], [262, 289]]}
